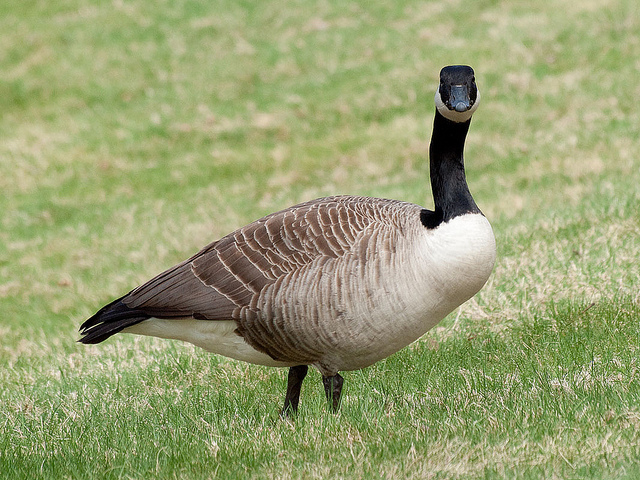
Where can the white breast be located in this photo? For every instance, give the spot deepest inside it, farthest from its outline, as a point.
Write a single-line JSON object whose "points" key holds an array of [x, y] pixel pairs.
{"points": [[457, 258], [431, 273]]}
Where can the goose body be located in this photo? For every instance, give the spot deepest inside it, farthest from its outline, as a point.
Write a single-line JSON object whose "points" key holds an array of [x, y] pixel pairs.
{"points": [[338, 282]]}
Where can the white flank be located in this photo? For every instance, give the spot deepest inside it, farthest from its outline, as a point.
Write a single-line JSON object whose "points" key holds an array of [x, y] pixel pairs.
{"points": [[215, 336]]}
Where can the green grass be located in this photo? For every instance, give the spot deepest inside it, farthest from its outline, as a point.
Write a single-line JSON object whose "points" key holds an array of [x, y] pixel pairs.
{"points": [[133, 133]]}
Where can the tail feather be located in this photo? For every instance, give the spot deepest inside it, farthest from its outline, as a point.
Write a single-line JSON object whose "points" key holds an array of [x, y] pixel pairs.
{"points": [[109, 320]]}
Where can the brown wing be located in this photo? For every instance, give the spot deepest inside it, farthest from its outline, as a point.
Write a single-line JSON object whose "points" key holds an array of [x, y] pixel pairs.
{"points": [[227, 274]]}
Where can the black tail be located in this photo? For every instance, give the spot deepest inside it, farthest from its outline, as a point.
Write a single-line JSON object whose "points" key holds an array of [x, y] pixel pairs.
{"points": [[110, 320]]}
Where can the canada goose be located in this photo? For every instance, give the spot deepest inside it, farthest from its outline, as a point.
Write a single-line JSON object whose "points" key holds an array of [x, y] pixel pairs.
{"points": [[338, 282]]}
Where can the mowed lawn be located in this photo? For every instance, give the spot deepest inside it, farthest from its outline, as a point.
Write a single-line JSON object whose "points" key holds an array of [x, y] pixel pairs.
{"points": [[133, 133]]}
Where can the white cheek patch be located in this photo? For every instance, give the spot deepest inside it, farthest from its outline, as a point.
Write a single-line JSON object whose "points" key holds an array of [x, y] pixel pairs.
{"points": [[458, 117]]}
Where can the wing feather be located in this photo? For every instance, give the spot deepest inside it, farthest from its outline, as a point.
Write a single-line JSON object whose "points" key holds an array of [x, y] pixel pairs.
{"points": [[227, 277], [227, 274]]}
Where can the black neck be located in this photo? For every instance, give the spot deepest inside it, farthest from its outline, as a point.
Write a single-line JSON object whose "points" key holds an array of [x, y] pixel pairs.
{"points": [[448, 182]]}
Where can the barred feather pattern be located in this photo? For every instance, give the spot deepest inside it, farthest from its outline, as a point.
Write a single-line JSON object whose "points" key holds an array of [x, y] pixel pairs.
{"points": [[338, 282]]}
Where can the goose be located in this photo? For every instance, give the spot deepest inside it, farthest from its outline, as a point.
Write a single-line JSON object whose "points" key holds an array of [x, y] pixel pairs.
{"points": [[337, 283]]}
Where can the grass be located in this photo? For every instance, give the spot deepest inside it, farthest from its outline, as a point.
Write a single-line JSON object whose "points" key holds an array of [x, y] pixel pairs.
{"points": [[134, 133]]}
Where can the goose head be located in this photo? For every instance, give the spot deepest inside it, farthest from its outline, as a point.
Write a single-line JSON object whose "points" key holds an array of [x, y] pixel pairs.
{"points": [[457, 96]]}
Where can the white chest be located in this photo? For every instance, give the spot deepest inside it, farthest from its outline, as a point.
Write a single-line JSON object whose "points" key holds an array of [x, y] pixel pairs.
{"points": [[455, 260], [430, 274]]}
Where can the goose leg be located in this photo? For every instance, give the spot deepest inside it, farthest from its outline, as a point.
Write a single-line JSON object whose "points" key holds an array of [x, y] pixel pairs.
{"points": [[294, 383], [333, 389]]}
